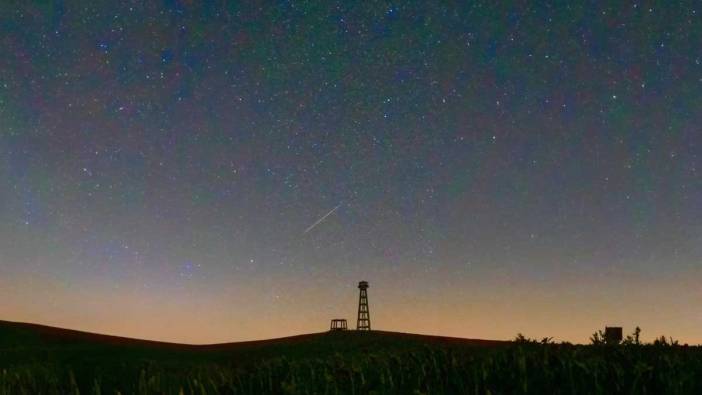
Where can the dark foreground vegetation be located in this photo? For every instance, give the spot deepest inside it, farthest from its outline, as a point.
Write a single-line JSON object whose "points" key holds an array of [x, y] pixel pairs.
{"points": [[41, 360]]}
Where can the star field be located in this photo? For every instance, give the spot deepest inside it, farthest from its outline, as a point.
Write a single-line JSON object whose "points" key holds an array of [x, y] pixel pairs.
{"points": [[496, 168]]}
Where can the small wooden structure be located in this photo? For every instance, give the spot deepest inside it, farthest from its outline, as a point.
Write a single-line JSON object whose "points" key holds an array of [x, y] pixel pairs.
{"points": [[338, 324], [613, 335]]}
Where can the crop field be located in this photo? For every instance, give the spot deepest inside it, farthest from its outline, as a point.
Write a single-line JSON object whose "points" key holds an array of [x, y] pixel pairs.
{"points": [[39, 361]]}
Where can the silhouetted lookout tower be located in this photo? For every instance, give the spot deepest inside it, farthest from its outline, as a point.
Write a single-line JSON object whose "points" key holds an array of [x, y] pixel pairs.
{"points": [[363, 323], [338, 324]]}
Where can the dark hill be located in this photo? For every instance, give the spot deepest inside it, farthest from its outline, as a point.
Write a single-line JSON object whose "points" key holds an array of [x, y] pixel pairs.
{"points": [[36, 359], [26, 342]]}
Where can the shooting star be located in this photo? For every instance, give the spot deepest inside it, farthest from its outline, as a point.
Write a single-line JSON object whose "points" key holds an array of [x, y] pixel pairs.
{"points": [[321, 219]]}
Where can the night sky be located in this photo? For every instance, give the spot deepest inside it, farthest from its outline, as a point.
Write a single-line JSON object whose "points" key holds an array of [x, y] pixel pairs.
{"points": [[488, 169]]}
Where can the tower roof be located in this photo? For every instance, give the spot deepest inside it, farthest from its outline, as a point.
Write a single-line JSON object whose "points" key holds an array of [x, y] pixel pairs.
{"points": [[363, 285]]}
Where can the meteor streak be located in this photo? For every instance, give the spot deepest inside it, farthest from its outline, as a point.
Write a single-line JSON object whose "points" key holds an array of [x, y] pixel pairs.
{"points": [[321, 219]]}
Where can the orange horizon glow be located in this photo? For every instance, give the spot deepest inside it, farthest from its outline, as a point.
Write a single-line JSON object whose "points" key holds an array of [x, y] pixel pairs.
{"points": [[567, 312]]}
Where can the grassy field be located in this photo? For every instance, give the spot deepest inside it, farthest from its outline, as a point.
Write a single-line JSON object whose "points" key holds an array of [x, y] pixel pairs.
{"points": [[42, 360]]}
